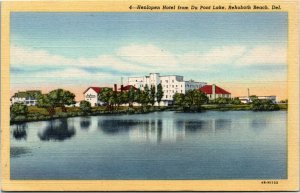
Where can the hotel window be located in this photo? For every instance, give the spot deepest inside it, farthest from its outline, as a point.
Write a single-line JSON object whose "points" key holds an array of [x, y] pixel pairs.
{"points": [[172, 86], [176, 85], [167, 86], [166, 81], [173, 81]]}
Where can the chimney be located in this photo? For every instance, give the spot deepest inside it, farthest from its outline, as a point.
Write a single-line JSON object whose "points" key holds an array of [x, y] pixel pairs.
{"points": [[248, 93], [115, 87], [122, 87], [214, 91]]}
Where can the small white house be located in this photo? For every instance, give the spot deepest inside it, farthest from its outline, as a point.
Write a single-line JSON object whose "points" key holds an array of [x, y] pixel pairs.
{"points": [[29, 101], [272, 98], [91, 95], [247, 99]]}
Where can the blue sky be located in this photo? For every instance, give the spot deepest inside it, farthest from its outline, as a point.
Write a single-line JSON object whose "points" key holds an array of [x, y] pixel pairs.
{"points": [[99, 48]]}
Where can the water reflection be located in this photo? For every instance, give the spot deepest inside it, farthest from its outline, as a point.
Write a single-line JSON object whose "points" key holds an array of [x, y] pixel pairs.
{"points": [[204, 126], [111, 126], [159, 130], [19, 132], [85, 123], [197, 125], [18, 151], [57, 130], [257, 125], [223, 125]]}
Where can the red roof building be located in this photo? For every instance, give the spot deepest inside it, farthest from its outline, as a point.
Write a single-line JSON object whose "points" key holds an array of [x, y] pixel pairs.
{"points": [[91, 95], [96, 89], [213, 92], [127, 88]]}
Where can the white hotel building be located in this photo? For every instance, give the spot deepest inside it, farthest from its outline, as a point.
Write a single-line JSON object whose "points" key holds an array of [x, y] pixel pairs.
{"points": [[171, 84]]}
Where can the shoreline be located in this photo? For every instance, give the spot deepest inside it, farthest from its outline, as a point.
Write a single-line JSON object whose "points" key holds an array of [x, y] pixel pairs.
{"points": [[40, 114]]}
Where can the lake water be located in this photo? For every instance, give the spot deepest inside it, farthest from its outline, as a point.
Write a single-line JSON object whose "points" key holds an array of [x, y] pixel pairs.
{"points": [[161, 145]]}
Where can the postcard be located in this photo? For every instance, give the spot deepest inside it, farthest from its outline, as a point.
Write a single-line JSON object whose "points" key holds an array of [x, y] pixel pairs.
{"points": [[150, 95]]}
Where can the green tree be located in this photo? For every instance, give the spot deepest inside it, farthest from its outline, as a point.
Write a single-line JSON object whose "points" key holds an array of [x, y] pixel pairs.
{"points": [[178, 99], [18, 110], [125, 98], [108, 96], [222, 101], [264, 105], [236, 101], [131, 96], [30, 93], [159, 93], [45, 101], [61, 97], [122, 98], [146, 95], [253, 97], [152, 95], [200, 98], [138, 96], [85, 106], [194, 99]]}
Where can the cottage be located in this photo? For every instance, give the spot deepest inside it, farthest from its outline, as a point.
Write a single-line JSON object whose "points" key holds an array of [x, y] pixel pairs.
{"points": [[28, 98], [91, 95]]}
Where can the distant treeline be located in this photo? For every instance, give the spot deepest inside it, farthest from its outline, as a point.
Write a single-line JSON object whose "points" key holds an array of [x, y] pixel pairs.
{"points": [[58, 103]]}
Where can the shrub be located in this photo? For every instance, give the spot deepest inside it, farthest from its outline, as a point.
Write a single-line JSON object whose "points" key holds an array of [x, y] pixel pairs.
{"points": [[130, 110], [264, 105], [19, 118], [85, 106], [19, 109], [62, 114]]}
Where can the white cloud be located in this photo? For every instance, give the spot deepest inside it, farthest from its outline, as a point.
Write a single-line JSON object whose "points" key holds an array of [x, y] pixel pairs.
{"points": [[28, 56], [150, 58], [148, 55], [264, 55], [215, 56], [109, 62]]}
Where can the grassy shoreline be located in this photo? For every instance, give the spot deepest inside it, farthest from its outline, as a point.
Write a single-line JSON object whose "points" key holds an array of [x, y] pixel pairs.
{"points": [[41, 114]]}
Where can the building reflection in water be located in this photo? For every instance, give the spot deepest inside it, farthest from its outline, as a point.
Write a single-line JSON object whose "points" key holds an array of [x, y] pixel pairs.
{"points": [[19, 132], [156, 131], [168, 130], [57, 130]]}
